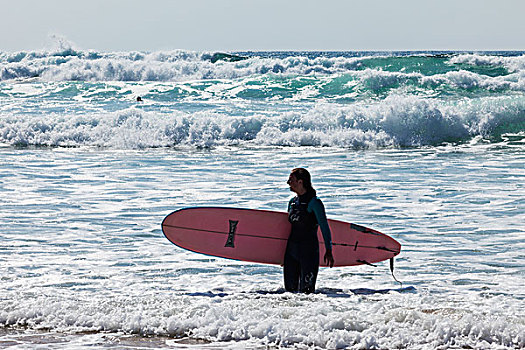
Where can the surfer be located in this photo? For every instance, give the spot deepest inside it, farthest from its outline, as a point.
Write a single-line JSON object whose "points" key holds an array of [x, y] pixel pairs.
{"points": [[306, 213]]}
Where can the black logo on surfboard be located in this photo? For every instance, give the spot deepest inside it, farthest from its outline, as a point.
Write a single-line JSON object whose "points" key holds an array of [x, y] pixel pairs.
{"points": [[231, 234]]}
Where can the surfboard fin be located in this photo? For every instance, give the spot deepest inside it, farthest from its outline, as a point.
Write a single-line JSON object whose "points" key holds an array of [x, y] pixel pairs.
{"points": [[392, 271]]}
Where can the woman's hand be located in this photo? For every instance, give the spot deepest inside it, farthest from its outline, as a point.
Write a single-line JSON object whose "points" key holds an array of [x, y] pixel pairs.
{"points": [[329, 258]]}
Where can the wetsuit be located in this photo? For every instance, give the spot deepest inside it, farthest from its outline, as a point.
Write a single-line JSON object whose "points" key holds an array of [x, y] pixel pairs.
{"points": [[301, 260]]}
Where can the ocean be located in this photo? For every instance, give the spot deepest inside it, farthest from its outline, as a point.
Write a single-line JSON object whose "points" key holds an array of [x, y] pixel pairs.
{"points": [[97, 148]]}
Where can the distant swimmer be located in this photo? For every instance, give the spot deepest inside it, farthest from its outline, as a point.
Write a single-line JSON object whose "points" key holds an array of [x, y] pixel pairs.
{"points": [[139, 99]]}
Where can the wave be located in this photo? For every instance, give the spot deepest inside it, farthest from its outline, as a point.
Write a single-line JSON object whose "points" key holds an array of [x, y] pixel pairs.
{"points": [[258, 319], [365, 85], [67, 64], [397, 121], [512, 64], [459, 82], [86, 98], [178, 65]]}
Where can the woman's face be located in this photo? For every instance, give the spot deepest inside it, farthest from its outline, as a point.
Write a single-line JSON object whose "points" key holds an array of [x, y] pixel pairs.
{"points": [[295, 185]]}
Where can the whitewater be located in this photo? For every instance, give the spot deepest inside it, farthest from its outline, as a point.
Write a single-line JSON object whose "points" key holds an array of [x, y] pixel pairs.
{"points": [[97, 148]]}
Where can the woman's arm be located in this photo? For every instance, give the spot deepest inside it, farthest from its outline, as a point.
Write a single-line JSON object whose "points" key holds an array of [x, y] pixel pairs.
{"points": [[317, 207]]}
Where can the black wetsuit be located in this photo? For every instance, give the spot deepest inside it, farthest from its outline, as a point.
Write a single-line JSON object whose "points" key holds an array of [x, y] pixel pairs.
{"points": [[301, 260]]}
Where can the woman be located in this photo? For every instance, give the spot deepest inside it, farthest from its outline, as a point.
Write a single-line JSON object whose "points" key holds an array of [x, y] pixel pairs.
{"points": [[306, 213]]}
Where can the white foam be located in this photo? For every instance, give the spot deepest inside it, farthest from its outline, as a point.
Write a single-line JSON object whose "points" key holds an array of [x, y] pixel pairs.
{"points": [[392, 321], [84, 254], [395, 121], [513, 63]]}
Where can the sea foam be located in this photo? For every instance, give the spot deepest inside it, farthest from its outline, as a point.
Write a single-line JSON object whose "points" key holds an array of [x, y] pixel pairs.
{"points": [[73, 65], [279, 319], [72, 97], [397, 121]]}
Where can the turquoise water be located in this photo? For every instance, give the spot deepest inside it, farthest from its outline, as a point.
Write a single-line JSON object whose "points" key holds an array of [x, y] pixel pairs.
{"points": [[427, 148], [351, 100]]}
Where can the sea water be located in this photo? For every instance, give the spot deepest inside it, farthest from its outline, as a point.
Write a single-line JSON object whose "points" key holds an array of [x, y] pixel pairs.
{"points": [[426, 147]]}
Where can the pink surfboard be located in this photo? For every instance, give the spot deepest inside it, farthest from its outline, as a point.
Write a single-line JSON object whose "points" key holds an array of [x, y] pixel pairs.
{"points": [[260, 236]]}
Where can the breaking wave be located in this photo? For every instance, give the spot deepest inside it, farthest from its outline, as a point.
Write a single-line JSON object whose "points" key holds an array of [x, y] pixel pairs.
{"points": [[70, 97], [394, 122], [68, 64]]}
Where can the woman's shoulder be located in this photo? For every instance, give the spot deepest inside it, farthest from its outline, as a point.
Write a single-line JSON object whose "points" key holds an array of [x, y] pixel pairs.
{"points": [[315, 201], [316, 198], [290, 202]]}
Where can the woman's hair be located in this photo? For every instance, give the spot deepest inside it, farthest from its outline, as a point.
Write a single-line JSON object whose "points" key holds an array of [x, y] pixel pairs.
{"points": [[303, 174]]}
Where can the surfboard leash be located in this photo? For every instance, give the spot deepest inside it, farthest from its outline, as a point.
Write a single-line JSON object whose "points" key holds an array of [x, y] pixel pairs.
{"points": [[392, 271]]}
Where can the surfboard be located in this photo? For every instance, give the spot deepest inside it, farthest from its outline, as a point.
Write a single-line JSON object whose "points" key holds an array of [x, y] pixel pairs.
{"points": [[260, 236]]}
